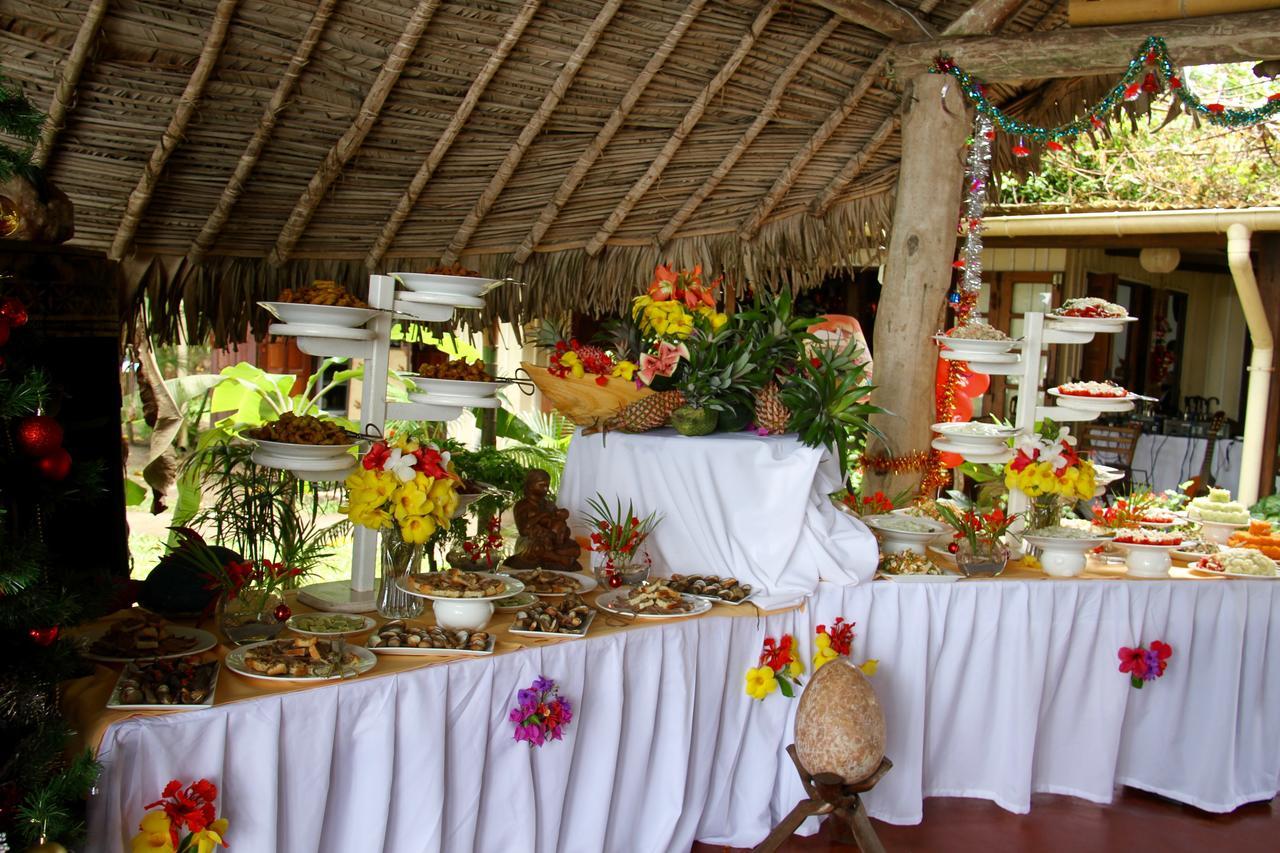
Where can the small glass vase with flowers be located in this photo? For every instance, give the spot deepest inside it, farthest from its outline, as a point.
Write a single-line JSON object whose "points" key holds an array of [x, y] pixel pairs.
{"points": [[980, 547], [1048, 470], [618, 557]]}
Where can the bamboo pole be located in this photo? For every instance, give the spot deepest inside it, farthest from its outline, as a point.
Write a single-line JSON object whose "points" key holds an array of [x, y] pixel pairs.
{"points": [[766, 114], [682, 130], [888, 19], [69, 81], [606, 133], [985, 16], [841, 180], [534, 126], [420, 179], [782, 184], [140, 198], [262, 133], [349, 143]]}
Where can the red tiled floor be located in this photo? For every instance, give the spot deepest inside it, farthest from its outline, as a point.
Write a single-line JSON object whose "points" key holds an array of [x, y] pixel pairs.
{"points": [[1136, 821]]}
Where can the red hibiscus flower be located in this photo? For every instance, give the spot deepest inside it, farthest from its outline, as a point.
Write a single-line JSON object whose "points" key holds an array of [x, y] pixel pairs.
{"points": [[1132, 661]]}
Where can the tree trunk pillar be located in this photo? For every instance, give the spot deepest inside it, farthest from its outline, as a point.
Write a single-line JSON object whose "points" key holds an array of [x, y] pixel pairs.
{"points": [[918, 272]]}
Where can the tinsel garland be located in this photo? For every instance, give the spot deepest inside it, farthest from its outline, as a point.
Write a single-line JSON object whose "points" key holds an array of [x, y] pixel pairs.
{"points": [[915, 461], [1136, 80], [977, 173]]}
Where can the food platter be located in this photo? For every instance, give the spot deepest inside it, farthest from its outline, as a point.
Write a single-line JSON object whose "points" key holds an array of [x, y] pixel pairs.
{"points": [[319, 315], [1082, 403], [975, 346], [314, 470], [615, 601], [117, 700], [455, 387], [1106, 325], [570, 635], [202, 641], [440, 300], [455, 401], [364, 661], [357, 624], [428, 650], [586, 583], [975, 433], [513, 586], [448, 285]]}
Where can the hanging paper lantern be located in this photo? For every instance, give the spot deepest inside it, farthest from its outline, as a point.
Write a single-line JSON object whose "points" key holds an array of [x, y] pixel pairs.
{"points": [[961, 409], [1149, 83], [1175, 83], [56, 466], [39, 435], [1132, 91]]}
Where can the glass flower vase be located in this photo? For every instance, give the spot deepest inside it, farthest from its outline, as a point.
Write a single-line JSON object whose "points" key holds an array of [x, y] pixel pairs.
{"points": [[1046, 511], [612, 569], [400, 559], [981, 559]]}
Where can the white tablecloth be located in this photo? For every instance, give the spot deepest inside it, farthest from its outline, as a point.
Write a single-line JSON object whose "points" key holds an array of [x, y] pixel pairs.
{"points": [[1170, 460], [733, 504], [991, 689]]}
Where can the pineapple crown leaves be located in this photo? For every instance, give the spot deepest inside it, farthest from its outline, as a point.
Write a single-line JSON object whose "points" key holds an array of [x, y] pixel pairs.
{"points": [[777, 337], [720, 370], [829, 398]]}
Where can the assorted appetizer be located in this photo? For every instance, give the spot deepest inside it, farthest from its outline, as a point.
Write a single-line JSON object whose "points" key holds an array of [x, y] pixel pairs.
{"points": [[1260, 536], [656, 597], [398, 634], [570, 615], [299, 657], [1091, 308], [1239, 561], [300, 429], [907, 563], [1131, 536], [457, 584], [977, 332], [542, 582], [166, 682], [141, 637], [1197, 546], [322, 293], [1105, 390], [710, 586]]}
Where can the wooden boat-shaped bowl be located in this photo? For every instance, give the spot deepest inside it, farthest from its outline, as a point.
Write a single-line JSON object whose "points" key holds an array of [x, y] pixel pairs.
{"points": [[580, 399]]}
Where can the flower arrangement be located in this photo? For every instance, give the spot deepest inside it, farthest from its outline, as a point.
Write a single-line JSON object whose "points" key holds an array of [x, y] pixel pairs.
{"points": [[1125, 512], [675, 301], [404, 484], [876, 504], [979, 529], [836, 640], [485, 549], [190, 810], [1143, 664], [541, 713], [780, 668], [618, 534], [1044, 465], [254, 583]]}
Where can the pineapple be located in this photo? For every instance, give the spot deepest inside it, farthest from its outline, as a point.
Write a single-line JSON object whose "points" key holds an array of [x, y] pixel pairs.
{"points": [[771, 415], [647, 413], [719, 375]]}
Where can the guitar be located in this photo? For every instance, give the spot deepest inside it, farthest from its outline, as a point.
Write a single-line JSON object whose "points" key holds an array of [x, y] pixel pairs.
{"points": [[1202, 482]]}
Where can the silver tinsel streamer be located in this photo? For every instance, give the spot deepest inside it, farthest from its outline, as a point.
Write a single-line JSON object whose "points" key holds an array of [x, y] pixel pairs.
{"points": [[978, 172]]}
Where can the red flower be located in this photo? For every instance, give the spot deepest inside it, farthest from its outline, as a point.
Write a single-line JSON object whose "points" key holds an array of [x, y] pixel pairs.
{"points": [[430, 463], [1022, 460], [377, 457], [1132, 662], [1132, 91], [1163, 651]]}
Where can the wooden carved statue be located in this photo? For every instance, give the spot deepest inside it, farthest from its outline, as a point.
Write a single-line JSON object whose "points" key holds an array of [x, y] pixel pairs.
{"points": [[545, 540]]}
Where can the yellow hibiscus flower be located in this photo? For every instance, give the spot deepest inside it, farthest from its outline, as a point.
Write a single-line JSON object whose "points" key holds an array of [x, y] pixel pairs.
{"points": [[417, 529], [869, 666], [154, 837], [206, 840], [795, 668], [761, 682], [624, 370]]}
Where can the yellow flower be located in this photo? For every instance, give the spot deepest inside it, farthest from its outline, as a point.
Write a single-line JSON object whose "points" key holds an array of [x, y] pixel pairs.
{"points": [[869, 666], [795, 668], [410, 499], [824, 655], [154, 837], [761, 682], [417, 529], [375, 519], [624, 370], [822, 641], [569, 358], [207, 839]]}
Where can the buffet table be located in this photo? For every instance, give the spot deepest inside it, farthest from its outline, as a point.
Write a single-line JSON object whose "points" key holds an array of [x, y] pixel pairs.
{"points": [[753, 507], [993, 689]]}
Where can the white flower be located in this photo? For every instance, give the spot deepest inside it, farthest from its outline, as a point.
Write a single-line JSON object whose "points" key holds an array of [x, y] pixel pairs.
{"points": [[401, 464]]}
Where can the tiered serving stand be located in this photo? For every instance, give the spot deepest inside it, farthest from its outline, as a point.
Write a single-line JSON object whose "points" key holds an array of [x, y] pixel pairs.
{"points": [[421, 296]]}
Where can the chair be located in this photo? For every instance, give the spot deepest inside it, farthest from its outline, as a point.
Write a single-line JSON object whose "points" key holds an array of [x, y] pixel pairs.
{"points": [[1114, 446]]}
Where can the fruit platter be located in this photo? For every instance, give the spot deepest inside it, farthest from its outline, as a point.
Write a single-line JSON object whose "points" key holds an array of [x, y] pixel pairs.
{"points": [[145, 636], [568, 617], [718, 590], [329, 624], [1238, 563], [546, 583], [1260, 536], [300, 660], [654, 599], [177, 684], [399, 637]]}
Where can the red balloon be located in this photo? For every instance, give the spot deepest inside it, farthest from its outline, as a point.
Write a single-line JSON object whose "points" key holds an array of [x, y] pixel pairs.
{"points": [[56, 466], [950, 460], [940, 375], [961, 409], [976, 384]]}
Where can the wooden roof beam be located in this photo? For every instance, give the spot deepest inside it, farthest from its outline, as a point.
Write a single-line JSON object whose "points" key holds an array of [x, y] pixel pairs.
{"points": [[985, 16], [350, 141], [1084, 51], [262, 133], [763, 117], [885, 18], [413, 192], [606, 133], [841, 180], [140, 198], [682, 130], [782, 184], [69, 81], [530, 132]]}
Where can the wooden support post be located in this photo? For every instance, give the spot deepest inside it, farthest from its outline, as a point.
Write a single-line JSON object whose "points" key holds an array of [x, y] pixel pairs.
{"points": [[69, 81], [918, 272], [1268, 273]]}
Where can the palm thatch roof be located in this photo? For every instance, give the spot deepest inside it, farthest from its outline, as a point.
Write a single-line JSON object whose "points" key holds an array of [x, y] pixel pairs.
{"points": [[224, 149]]}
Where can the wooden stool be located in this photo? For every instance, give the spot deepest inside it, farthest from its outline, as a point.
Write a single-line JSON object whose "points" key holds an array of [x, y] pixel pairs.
{"points": [[828, 794]]}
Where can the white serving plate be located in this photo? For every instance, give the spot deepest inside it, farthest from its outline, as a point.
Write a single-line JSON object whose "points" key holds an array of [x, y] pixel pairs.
{"points": [[303, 452], [319, 315], [945, 577], [1106, 325], [1217, 532], [441, 300], [714, 600], [971, 345], [1094, 404], [367, 624], [514, 608], [318, 330], [966, 433], [973, 453], [979, 359], [419, 651], [204, 642], [586, 583], [897, 541], [365, 661], [1212, 573], [582, 632], [449, 401], [615, 602], [453, 285], [455, 387], [114, 703], [314, 470], [1149, 562], [1188, 556], [513, 586]]}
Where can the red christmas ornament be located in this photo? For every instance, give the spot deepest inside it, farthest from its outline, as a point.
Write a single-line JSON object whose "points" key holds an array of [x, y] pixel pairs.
{"points": [[39, 435], [13, 310], [1149, 83], [615, 580], [4, 330], [1175, 83], [56, 466], [1020, 150], [43, 636], [282, 612], [1053, 146], [1215, 108], [1132, 91], [990, 134]]}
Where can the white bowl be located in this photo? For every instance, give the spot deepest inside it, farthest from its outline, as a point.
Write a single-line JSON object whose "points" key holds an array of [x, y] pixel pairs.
{"points": [[975, 432], [462, 614], [972, 345], [445, 285], [323, 315], [455, 387], [1218, 532], [1063, 558], [900, 541], [304, 452], [1150, 562]]}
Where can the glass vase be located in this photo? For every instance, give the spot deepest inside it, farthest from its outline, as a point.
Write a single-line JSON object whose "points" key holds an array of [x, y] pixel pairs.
{"points": [[249, 617], [400, 559], [627, 569], [1046, 511], [981, 560]]}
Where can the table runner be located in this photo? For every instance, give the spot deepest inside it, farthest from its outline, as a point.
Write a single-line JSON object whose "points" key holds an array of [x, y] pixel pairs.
{"points": [[992, 689]]}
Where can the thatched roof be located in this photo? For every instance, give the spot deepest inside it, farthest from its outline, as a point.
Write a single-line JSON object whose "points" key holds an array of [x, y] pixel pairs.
{"points": [[226, 149]]}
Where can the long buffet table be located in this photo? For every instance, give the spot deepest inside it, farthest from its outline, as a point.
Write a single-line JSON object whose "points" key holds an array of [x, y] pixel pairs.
{"points": [[993, 689]]}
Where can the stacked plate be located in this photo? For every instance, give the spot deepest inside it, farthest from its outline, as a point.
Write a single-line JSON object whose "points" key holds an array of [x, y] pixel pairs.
{"points": [[979, 442], [898, 533], [975, 348], [319, 328], [314, 462], [337, 316]]}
